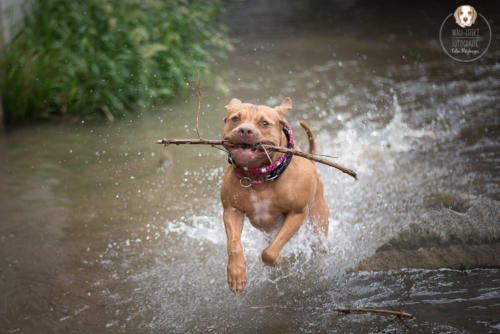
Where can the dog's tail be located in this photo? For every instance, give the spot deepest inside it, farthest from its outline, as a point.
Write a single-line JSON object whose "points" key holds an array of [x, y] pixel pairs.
{"points": [[310, 136]]}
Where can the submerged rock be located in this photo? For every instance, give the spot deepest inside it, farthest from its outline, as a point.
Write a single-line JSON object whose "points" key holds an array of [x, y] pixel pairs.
{"points": [[463, 233]]}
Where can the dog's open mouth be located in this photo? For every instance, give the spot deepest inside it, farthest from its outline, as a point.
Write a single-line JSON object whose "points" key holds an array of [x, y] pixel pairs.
{"points": [[256, 147], [245, 154]]}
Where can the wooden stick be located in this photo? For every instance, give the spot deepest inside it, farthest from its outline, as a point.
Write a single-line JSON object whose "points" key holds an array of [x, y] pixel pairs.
{"points": [[313, 157], [341, 310], [267, 154], [167, 142], [199, 106], [309, 156]]}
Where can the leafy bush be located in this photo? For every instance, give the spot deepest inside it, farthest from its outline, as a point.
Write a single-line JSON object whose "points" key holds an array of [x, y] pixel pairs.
{"points": [[77, 57]]}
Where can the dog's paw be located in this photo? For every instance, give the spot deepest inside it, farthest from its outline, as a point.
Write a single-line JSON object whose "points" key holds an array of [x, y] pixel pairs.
{"points": [[236, 277], [271, 258]]}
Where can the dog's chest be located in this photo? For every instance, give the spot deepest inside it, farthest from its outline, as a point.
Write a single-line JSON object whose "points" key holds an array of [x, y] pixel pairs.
{"points": [[262, 211]]}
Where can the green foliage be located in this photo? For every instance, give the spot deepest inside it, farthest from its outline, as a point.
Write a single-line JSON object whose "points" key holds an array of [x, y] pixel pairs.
{"points": [[75, 57]]}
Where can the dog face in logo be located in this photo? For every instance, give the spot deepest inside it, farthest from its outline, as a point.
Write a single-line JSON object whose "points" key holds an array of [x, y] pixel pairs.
{"points": [[465, 16]]}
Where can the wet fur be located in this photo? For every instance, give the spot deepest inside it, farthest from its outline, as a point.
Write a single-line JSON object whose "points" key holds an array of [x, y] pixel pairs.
{"points": [[281, 205]]}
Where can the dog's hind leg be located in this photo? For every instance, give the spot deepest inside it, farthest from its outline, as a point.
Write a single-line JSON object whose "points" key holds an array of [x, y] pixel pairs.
{"points": [[319, 212]]}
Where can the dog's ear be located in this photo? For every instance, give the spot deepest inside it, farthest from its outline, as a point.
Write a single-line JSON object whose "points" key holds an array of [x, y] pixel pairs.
{"points": [[457, 15], [286, 103], [233, 102], [284, 107], [474, 15]]}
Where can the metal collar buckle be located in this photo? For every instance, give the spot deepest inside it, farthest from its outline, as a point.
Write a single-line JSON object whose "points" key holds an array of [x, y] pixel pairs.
{"points": [[246, 182]]}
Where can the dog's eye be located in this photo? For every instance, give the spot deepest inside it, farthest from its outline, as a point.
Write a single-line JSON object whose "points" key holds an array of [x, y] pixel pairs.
{"points": [[264, 123], [461, 12], [469, 12], [235, 119]]}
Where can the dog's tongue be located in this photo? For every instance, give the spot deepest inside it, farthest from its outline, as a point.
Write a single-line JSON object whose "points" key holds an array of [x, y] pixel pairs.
{"points": [[243, 156]]}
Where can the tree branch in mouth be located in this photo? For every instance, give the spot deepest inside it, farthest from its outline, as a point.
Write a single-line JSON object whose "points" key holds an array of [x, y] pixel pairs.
{"points": [[265, 147]]}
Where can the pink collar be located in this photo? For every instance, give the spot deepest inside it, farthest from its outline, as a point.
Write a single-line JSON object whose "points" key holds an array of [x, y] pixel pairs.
{"points": [[272, 171]]}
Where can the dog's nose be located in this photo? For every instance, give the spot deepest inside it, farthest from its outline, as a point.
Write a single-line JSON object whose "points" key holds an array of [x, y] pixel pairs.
{"points": [[245, 131], [465, 19]]}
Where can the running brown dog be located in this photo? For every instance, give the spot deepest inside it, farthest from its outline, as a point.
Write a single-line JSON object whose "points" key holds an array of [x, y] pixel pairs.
{"points": [[275, 196]]}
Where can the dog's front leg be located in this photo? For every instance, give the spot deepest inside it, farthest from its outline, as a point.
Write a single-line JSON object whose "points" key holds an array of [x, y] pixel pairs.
{"points": [[292, 223], [236, 270]]}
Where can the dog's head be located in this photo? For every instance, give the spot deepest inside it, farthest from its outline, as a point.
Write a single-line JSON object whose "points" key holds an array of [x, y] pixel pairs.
{"points": [[465, 16], [247, 125]]}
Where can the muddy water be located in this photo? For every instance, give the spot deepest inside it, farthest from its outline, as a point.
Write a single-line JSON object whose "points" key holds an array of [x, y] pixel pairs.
{"points": [[96, 237]]}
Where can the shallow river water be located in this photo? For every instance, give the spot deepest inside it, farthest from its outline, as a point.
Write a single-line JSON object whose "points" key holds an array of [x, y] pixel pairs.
{"points": [[97, 237]]}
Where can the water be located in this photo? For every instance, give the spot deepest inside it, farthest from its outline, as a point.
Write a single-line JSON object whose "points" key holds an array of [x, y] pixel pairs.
{"points": [[96, 237]]}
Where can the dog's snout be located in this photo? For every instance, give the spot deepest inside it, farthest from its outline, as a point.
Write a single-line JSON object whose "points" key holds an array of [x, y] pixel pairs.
{"points": [[465, 19], [245, 131]]}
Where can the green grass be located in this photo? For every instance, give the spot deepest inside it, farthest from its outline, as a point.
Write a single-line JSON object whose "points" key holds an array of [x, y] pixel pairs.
{"points": [[81, 58]]}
